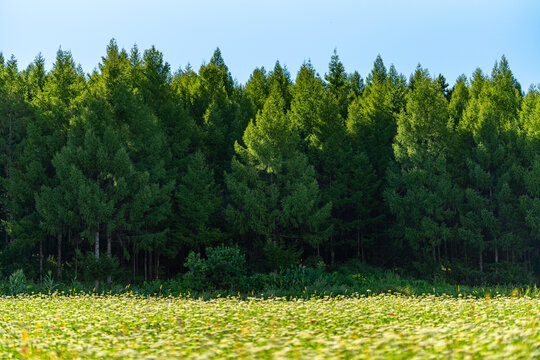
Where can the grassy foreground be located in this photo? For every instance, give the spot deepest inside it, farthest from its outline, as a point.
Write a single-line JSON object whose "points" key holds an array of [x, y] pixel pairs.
{"points": [[381, 326]]}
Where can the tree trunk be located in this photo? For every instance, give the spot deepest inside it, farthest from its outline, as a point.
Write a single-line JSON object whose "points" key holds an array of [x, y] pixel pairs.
{"points": [[362, 247], [41, 262], [496, 254], [332, 256], [134, 264], [109, 254], [481, 261], [150, 265], [157, 265], [145, 265], [59, 262], [96, 254], [358, 244], [76, 256]]}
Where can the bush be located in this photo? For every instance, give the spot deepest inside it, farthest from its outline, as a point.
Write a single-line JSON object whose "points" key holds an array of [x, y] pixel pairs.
{"points": [[280, 255], [195, 278], [225, 266], [17, 282], [96, 269], [254, 283], [48, 283]]}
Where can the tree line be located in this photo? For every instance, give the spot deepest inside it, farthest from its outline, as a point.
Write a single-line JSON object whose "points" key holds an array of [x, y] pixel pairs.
{"points": [[128, 169]]}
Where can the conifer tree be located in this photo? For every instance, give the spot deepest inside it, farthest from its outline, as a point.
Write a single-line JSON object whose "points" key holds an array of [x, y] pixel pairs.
{"points": [[458, 101], [257, 89], [55, 105], [337, 84], [199, 200], [14, 114], [420, 192], [274, 195], [279, 82], [490, 125]]}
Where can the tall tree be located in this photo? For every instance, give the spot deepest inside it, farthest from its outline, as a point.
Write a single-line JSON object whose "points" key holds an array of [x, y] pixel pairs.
{"points": [[199, 200], [490, 124], [274, 195], [420, 192], [336, 79]]}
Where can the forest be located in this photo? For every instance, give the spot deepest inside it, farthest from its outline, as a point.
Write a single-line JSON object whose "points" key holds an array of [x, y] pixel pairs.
{"points": [[135, 172]]}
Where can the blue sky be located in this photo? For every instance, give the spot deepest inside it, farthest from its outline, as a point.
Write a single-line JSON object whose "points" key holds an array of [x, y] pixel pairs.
{"points": [[448, 37]]}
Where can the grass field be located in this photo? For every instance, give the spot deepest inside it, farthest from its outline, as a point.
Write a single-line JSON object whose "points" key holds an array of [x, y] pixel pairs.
{"points": [[381, 326]]}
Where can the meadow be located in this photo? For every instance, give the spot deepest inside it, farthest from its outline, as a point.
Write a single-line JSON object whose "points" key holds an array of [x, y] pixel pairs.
{"points": [[383, 326]]}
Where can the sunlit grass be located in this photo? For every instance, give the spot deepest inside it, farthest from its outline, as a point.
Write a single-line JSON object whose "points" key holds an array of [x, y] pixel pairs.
{"points": [[363, 327]]}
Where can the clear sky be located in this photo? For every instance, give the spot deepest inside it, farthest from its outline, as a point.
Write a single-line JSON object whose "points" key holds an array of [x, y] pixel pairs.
{"points": [[449, 37]]}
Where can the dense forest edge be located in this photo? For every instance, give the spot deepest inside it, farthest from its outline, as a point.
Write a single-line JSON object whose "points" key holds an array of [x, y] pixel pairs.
{"points": [[189, 181]]}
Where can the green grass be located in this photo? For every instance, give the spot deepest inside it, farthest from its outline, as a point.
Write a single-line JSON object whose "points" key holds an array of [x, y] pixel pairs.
{"points": [[363, 327]]}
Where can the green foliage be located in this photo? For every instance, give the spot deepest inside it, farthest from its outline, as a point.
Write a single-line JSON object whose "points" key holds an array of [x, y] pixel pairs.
{"points": [[223, 268], [225, 265], [17, 282], [195, 278], [92, 268], [145, 166], [198, 199], [420, 192], [49, 283]]}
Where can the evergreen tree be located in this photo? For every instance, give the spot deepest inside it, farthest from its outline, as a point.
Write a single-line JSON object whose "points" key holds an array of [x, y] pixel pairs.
{"points": [[420, 192], [279, 82], [257, 89], [199, 200], [274, 195], [397, 90], [458, 101], [337, 83], [490, 124], [14, 114]]}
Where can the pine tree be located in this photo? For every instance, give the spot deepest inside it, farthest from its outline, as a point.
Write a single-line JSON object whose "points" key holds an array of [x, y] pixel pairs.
{"points": [[279, 82], [397, 90], [307, 92], [420, 191], [371, 123], [198, 198], [274, 195], [14, 114], [458, 101], [490, 126], [257, 89], [96, 181], [337, 83]]}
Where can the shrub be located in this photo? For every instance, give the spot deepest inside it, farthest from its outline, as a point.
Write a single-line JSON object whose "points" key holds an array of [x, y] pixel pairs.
{"points": [[17, 282], [96, 269], [225, 266], [195, 278]]}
